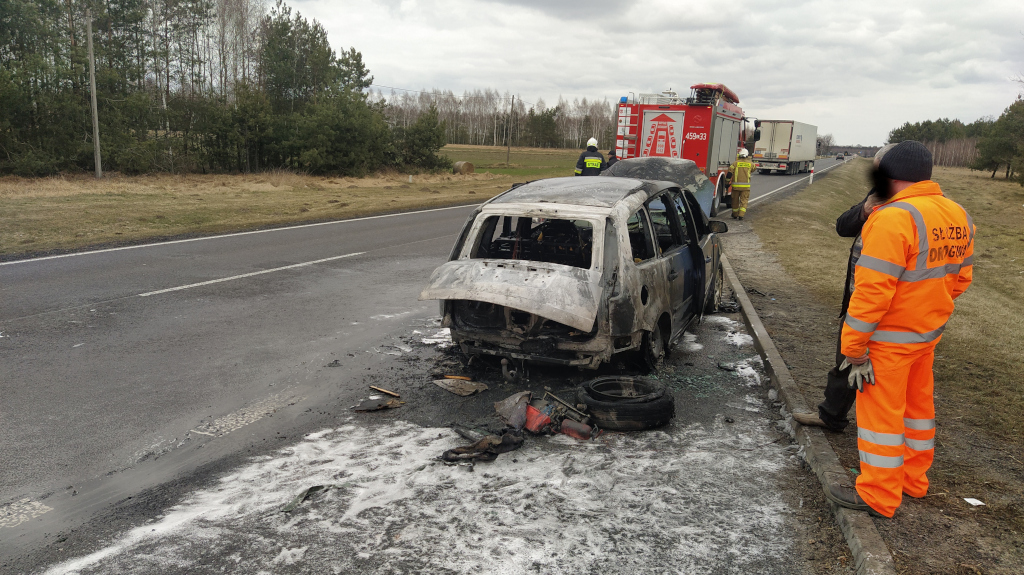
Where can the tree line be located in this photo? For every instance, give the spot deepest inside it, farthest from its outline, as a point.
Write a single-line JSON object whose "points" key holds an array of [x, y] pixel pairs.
{"points": [[192, 86], [489, 117], [987, 144], [234, 86]]}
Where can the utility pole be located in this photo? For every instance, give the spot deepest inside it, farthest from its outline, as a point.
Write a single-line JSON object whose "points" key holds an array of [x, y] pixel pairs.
{"points": [[92, 86], [511, 110]]}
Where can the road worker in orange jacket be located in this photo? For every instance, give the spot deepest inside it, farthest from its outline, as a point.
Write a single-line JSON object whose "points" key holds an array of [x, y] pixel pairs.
{"points": [[916, 259]]}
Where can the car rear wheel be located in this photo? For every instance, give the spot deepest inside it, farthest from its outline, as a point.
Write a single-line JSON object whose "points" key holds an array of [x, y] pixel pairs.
{"points": [[715, 301], [717, 198], [653, 348]]}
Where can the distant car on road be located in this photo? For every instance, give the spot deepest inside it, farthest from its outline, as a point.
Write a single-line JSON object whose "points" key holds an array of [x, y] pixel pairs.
{"points": [[571, 271], [841, 157]]}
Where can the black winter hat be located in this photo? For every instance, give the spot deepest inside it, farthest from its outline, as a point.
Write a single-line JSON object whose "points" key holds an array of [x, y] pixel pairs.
{"points": [[909, 161]]}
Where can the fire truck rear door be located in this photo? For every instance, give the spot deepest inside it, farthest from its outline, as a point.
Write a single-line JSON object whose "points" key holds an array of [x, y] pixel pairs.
{"points": [[662, 133]]}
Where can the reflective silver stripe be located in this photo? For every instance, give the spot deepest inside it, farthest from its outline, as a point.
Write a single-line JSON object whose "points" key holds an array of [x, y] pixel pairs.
{"points": [[881, 460], [930, 273], [968, 261], [880, 438], [921, 444], [922, 232], [861, 326], [907, 336], [919, 424], [881, 266]]}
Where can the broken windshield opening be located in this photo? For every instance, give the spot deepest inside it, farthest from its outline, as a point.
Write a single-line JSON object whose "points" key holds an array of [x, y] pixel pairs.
{"points": [[557, 241]]}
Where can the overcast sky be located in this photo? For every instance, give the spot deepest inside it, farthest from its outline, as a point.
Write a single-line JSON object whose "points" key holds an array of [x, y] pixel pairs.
{"points": [[856, 68]]}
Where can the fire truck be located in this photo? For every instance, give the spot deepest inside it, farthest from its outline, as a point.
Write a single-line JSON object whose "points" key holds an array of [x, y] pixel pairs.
{"points": [[708, 127]]}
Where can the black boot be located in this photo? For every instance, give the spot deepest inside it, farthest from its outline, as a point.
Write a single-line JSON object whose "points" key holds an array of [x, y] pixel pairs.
{"points": [[846, 495]]}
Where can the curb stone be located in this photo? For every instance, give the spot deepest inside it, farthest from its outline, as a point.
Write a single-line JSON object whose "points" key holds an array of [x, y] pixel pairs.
{"points": [[870, 554]]}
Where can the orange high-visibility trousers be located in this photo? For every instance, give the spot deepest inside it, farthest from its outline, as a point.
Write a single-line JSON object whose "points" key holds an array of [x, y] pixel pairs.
{"points": [[896, 425]]}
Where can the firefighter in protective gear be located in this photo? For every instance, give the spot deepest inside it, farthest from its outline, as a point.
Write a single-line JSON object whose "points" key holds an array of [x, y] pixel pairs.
{"points": [[916, 259], [591, 162], [738, 179]]}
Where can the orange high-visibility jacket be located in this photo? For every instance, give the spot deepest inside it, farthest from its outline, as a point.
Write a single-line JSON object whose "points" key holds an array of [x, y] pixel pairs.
{"points": [[917, 258]]}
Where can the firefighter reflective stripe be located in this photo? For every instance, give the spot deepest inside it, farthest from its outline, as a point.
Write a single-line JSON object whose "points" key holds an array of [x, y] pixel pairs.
{"points": [[881, 460], [881, 266], [578, 171], [906, 336], [593, 162], [918, 424], [861, 326], [891, 439], [741, 185], [921, 444]]}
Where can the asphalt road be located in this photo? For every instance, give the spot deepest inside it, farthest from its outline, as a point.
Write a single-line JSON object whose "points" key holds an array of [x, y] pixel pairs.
{"points": [[121, 370]]}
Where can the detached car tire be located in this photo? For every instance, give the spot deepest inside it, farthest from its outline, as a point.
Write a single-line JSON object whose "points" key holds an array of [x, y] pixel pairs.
{"points": [[629, 414]]}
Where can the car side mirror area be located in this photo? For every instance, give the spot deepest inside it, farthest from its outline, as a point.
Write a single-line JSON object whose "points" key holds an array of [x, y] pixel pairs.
{"points": [[717, 227], [757, 134]]}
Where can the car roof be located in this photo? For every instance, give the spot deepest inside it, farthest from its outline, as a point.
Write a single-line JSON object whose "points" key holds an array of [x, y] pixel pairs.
{"points": [[678, 171], [577, 191]]}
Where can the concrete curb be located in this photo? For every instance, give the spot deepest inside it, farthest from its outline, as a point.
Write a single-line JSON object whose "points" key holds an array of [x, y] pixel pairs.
{"points": [[870, 554]]}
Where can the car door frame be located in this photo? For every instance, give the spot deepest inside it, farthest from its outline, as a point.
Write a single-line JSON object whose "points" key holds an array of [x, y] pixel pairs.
{"points": [[679, 312]]}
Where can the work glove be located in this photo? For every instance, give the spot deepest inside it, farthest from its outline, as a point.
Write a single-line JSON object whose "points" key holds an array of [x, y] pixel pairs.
{"points": [[859, 374]]}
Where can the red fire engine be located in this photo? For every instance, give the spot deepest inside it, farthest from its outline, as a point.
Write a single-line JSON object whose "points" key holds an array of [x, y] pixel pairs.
{"points": [[708, 128]]}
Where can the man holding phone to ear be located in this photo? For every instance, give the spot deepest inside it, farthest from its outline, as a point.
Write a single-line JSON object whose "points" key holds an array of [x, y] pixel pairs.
{"points": [[916, 258], [839, 396]]}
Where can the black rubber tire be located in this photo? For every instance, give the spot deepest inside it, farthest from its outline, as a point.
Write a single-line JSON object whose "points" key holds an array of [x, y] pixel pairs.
{"points": [[717, 290], [625, 416], [603, 389]]}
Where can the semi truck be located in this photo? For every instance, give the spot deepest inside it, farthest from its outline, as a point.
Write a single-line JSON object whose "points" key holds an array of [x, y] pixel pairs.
{"points": [[784, 146], [707, 127]]}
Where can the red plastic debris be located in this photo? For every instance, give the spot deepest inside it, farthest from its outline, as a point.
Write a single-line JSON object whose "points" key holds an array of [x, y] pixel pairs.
{"points": [[535, 420], [576, 429]]}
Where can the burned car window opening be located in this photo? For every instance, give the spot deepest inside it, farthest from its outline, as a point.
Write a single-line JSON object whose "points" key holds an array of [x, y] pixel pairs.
{"points": [[666, 227], [547, 240], [639, 237], [684, 219]]}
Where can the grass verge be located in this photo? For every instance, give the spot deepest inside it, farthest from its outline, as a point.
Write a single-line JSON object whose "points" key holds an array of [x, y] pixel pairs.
{"points": [[978, 359], [74, 212]]}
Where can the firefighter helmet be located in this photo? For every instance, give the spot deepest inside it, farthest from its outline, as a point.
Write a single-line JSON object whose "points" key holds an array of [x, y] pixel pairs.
{"points": [[592, 142], [744, 153]]}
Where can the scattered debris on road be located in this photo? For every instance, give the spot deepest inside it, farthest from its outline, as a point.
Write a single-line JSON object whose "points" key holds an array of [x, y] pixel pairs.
{"points": [[512, 409], [377, 404], [461, 386], [487, 449], [384, 391]]}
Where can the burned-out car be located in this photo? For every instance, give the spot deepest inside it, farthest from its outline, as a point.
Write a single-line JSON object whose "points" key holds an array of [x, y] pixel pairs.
{"points": [[572, 271]]}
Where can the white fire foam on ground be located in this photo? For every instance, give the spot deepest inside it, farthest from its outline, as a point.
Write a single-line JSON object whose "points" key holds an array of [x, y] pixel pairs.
{"points": [[682, 499]]}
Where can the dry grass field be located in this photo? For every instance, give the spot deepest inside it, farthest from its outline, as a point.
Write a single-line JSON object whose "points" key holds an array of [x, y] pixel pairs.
{"points": [[74, 212]]}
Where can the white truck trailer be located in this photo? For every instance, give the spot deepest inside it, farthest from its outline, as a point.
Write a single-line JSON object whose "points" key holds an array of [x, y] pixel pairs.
{"points": [[785, 146]]}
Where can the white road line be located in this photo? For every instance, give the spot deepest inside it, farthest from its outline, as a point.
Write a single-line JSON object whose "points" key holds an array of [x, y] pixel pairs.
{"points": [[217, 237], [249, 275], [763, 196]]}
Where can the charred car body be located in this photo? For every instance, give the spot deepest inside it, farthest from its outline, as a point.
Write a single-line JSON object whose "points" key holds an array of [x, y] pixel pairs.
{"points": [[571, 271]]}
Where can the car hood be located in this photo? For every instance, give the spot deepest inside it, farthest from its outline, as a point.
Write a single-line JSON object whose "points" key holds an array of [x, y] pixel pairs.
{"points": [[565, 294]]}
